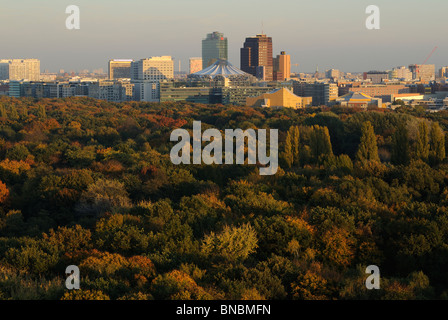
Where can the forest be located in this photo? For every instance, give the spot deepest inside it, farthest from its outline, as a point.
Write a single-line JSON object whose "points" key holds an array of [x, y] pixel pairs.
{"points": [[90, 183]]}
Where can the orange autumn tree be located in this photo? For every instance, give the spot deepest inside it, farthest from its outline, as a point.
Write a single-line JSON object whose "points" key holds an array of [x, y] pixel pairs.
{"points": [[4, 192]]}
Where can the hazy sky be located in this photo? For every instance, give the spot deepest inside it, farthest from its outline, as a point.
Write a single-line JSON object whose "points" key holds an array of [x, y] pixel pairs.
{"points": [[328, 33]]}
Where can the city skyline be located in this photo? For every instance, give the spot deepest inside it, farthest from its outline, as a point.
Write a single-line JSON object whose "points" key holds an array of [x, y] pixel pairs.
{"points": [[309, 32]]}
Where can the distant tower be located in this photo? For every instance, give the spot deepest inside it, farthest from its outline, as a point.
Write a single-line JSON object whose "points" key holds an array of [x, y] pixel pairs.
{"points": [[282, 66], [214, 47], [256, 57]]}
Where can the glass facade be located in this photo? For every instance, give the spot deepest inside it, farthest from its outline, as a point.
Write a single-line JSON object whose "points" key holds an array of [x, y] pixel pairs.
{"points": [[214, 47], [256, 57]]}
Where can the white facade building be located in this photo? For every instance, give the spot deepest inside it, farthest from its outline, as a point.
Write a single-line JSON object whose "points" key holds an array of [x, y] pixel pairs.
{"points": [[146, 75], [20, 69]]}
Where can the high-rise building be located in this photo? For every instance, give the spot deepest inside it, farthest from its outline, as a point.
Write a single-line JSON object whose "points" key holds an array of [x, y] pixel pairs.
{"points": [[146, 75], [154, 68], [256, 57], [402, 73], [282, 66], [423, 72], [214, 47], [20, 69], [195, 65], [443, 72], [120, 68]]}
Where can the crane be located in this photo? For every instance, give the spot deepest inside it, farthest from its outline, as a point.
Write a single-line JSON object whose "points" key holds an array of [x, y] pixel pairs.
{"points": [[295, 64], [429, 56]]}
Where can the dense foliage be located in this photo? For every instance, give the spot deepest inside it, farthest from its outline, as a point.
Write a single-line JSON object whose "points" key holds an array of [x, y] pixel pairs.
{"points": [[90, 183]]}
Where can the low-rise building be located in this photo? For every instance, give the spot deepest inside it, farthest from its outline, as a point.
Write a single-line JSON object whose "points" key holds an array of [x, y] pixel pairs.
{"points": [[279, 98], [359, 100]]}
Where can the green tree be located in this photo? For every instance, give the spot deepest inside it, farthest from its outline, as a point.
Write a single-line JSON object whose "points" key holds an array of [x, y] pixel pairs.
{"points": [[3, 113], [14, 115], [320, 142], [24, 113], [287, 154], [422, 143], [368, 149], [437, 144], [41, 113], [232, 244], [102, 196], [400, 146], [295, 144], [18, 152]]}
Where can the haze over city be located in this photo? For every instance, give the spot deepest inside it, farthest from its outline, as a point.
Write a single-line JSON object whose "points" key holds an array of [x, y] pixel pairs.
{"points": [[326, 33]]}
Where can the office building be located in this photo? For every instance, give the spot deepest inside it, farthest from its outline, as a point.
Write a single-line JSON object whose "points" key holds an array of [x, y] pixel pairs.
{"points": [[214, 47], [401, 73], [323, 93], [120, 69], [154, 68], [20, 69], [333, 74], [174, 91], [39, 89], [383, 91], [443, 72], [195, 65], [111, 90], [423, 72], [256, 57], [146, 90], [282, 67], [376, 76], [146, 75]]}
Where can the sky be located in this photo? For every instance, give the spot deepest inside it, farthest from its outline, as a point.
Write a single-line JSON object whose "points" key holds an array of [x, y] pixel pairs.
{"points": [[323, 33]]}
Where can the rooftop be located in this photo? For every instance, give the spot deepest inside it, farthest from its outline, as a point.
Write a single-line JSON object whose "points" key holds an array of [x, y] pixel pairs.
{"points": [[221, 68]]}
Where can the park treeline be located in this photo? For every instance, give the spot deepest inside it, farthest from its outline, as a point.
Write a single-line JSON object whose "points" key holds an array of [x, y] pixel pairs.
{"points": [[90, 183]]}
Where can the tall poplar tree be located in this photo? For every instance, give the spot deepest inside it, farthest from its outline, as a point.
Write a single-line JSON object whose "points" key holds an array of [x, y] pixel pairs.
{"points": [[296, 145], [368, 148], [320, 142], [3, 113], [436, 144], [287, 154], [400, 145], [422, 143]]}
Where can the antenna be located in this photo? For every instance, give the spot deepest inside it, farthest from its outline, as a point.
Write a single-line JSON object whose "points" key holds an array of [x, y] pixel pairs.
{"points": [[262, 27]]}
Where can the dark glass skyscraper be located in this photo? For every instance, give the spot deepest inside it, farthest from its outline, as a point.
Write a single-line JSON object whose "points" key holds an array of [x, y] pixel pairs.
{"points": [[256, 57], [214, 47]]}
